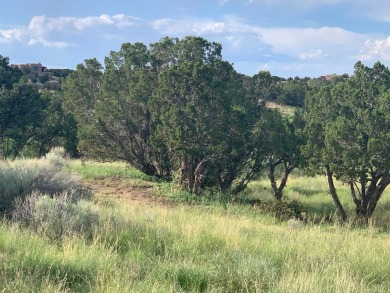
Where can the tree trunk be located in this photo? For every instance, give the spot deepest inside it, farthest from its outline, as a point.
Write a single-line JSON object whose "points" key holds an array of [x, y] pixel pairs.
{"points": [[278, 190], [335, 197], [369, 197], [185, 173], [377, 193], [360, 202], [149, 169], [199, 176]]}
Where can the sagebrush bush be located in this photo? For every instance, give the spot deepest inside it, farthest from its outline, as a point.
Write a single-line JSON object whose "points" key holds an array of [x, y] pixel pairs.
{"points": [[46, 175], [56, 216]]}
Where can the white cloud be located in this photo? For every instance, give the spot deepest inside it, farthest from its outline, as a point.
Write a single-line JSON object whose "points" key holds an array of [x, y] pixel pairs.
{"points": [[192, 26], [122, 21], [63, 23], [37, 32], [376, 49], [37, 25], [312, 54], [40, 28], [200, 26], [301, 43], [46, 43], [91, 21], [11, 35], [282, 49], [335, 41]]}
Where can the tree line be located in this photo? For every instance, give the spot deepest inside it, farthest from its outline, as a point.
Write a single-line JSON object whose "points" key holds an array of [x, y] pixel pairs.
{"points": [[176, 108], [178, 111], [31, 121]]}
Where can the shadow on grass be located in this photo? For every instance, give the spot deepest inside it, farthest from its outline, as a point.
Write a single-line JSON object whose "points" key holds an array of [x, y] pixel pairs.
{"points": [[324, 212], [306, 192]]}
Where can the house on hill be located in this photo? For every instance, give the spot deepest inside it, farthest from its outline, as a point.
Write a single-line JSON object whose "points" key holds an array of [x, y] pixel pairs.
{"points": [[329, 76], [34, 67]]}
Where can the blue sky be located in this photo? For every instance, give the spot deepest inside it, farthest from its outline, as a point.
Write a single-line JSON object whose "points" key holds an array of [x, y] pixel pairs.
{"points": [[286, 37]]}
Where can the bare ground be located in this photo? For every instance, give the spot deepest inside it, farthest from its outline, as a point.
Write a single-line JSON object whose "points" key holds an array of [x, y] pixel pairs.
{"points": [[119, 188]]}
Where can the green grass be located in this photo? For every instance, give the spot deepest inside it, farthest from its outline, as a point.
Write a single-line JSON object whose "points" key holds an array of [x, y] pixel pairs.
{"points": [[229, 247], [287, 111], [96, 171], [313, 194], [191, 249]]}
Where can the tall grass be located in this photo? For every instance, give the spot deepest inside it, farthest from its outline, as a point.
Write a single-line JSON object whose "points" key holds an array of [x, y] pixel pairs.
{"points": [[229, 247], [139, 248], [313, 194]]}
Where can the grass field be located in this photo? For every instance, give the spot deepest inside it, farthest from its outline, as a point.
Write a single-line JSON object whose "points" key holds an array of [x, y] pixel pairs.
{"points": [[150, 246], [312, 193]]}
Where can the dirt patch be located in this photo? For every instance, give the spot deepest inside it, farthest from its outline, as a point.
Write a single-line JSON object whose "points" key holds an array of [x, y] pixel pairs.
{"points": [[123, 189]]}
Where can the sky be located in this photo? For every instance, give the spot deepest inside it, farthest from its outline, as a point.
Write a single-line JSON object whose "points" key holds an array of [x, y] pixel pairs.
{"points": [[288, 38]]}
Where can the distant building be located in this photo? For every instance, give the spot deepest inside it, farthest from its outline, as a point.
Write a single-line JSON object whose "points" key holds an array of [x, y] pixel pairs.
{"points": [[329, 76], [34, 67]]}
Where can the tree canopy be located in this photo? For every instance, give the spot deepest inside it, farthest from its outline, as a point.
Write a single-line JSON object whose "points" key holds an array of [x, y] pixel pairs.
{"points": [[348, 135], [31, 121], [175, 106]]}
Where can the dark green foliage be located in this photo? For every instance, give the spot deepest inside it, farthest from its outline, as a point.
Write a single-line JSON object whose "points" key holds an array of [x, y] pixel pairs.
{"points": [[347, 130], [111, 109], [59, 72], [206, 117], [124, 112], [31, 122], [176, 106], [43, 78], [21, 115], [283, 210], [8, 75], [179, 108], [57, 129], [265, 86], [293, 93], [280, 141]]}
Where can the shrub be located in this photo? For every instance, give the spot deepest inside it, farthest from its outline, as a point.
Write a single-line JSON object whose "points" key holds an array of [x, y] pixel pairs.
{"points": [[283, 210], [22, 177], [56, 216]]}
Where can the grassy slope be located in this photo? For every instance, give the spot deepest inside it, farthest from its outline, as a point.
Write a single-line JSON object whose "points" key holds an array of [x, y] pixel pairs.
{"points": [[229, 248], [284, 109]]}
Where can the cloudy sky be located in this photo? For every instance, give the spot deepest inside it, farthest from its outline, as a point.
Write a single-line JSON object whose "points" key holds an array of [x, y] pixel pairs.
{"points": [[286, 37]]}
